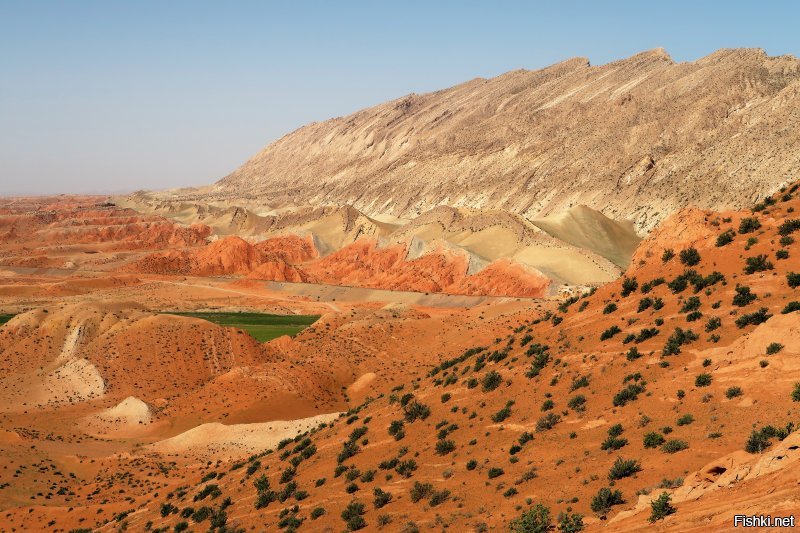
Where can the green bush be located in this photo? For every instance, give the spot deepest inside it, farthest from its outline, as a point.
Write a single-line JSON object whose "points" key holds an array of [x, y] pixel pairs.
{"points": [[796, 393], [443, 447], [604, 500], [570, 522], [668, 254], [420, 491], [703, 380], [725, 238], [774, 347], [610, 332], [691, 304], [749, 225], [577, 403], [495, 472], [628, 394], [661, 507], [793, 279], [623, 468], [755, 318], [609, 308], [791, 307], [690, 256], [713, 323], [629, 285], [743, 296], [733, 392], [352, 516], [759, 263], [674, 446], [491, 380], [653, 440], [685, 420], [534, 520], [547, 422], [317, 512]]}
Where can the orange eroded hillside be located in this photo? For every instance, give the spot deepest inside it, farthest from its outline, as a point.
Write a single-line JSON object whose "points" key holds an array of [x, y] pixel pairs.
{"points": [[680, 377]]}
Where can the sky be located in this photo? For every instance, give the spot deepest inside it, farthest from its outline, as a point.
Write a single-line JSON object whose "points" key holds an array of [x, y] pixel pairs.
{"points": [[113, 96]]}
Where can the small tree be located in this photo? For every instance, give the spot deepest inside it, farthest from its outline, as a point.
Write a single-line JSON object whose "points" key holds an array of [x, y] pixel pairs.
{"points": [[661, 507], [534, 520], [690, 256]]}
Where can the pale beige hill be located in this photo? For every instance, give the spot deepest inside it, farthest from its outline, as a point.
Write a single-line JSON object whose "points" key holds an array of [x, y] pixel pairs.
{"points": [[236, 440], [576, 249], [586, 228], [637, 138]]}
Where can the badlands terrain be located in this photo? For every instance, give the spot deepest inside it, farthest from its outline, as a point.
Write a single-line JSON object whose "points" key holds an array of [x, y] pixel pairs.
{"points": [[566, 298]]}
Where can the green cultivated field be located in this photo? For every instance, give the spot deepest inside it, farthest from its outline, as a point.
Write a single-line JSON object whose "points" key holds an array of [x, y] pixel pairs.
{"points": [[5, 318], [261, 326]]}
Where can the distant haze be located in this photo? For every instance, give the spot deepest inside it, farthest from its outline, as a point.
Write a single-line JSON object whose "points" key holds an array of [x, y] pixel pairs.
{"points": [[107, 97]]}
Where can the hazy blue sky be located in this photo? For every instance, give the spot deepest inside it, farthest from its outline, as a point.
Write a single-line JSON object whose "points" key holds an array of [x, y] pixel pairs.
{"points": [[112, 95]]}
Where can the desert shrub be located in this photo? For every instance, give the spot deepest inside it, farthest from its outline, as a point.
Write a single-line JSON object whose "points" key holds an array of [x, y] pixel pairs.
{"points": [[743, 296], [623, 468], [570, 522], [702, 380], [503, 413], [352, 516], [713, 323], [316, 512], [661, 507], [472, 464], [791, 307], [793, 279], [644, 304], [674, 446], [534, 520], [796, 393], [629, 285], [628, 394], [690, 256], [420, 491], [609, 308], [685, 420], [577, 403], [406, 468], [548, 405], [749, 225], [668, 254], [733, 392], [578, 383], [439, 497], [381, 498], [416, 411], [691, 304], [610, 332], [789, 227], [693, 316], [755, 318], [658, 303], [491, 380], [613, 443], [774, 347], [645, 334], [605, 499], [678, 338], [757, 442], [782, 254], [495, 472], [547, 422], [653, 440], [633, 354], [443, 447], [758, 263], [725, 238]]}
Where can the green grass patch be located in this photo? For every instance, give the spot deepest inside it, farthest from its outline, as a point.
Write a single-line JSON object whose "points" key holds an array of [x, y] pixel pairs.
{"points": [[261, 326], [5, 318]]}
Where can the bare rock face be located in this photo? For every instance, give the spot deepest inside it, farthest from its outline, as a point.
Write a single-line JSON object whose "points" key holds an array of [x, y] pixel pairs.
{"points": [[635, 139]]}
